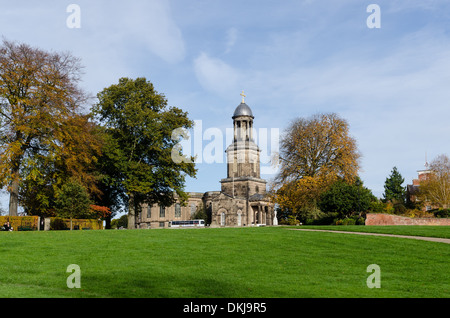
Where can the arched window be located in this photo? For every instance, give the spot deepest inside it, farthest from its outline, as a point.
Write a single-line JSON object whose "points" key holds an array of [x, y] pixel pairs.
{"points": [[239, 218], [222, 219]]}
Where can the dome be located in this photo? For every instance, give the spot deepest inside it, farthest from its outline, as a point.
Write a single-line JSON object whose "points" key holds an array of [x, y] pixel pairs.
{"points": [[243, 110]]}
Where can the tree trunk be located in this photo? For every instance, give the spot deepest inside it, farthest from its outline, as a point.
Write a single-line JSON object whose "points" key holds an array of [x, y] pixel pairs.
{"points": [[14, 194], [131, 213], [108, 222]]}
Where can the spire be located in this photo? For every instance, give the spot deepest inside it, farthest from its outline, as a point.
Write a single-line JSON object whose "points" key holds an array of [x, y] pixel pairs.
{"points": [[243, 95]]}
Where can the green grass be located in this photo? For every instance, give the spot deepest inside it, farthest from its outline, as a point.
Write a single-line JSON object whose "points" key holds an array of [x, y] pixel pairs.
{"points": [[412, 230], [231, 262]]}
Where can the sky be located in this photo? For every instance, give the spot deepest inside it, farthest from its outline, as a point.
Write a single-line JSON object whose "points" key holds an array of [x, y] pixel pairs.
{"points": [[385, 70]]}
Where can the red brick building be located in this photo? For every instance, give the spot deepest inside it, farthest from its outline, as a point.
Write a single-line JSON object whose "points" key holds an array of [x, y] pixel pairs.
{"points": [[412, 189]]}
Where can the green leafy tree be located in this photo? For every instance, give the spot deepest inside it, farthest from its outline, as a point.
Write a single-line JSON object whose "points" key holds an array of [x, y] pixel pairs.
{"points": [[201, 213], [109, 170], [346, 198], [393, 189], [140, 126], [121, 222], [73, 202]]}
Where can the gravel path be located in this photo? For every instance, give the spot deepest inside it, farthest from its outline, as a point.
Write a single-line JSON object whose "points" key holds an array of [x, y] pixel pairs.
{"points": [[423, 238]]}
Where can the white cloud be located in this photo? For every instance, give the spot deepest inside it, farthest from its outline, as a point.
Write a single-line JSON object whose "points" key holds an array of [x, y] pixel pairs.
{"points": [[216, 76], [156, 29], [231, 37]]}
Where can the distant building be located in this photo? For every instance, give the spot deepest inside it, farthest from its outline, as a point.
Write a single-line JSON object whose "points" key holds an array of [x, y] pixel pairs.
{"points": [[242, 200], [413, 189]]}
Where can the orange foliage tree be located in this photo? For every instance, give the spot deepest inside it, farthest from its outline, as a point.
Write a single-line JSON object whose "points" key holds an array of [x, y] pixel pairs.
{"points": [[44, 139], [314, 153]]}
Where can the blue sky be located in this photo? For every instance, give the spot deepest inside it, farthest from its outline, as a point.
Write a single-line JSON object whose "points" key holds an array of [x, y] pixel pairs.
{"points": [[292, 58]]}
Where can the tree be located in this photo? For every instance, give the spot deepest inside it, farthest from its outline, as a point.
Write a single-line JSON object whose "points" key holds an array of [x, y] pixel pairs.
{"points": [[201, 213], [346, 198], [317, 147], [436, 188], [393, 190], [73, 202], [314, 153], [121, 222], [73, 155], [140, 125], [39, 97], [109, 167]]}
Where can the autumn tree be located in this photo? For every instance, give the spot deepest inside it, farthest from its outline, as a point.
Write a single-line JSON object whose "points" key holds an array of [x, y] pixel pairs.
{"points": [[314, 153], [41, 126], [49, 167], [138, 155], [436, 188]]}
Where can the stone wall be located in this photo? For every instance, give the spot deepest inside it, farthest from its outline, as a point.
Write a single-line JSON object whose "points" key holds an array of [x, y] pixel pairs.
{"points": [[390, 219]]}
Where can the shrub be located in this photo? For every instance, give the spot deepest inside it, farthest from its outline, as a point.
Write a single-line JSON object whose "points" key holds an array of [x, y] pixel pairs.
{"points": [[418, 214], [57, 224], [442, 213], [355, 220], [324, 219], [361, 221], [399, 209]]}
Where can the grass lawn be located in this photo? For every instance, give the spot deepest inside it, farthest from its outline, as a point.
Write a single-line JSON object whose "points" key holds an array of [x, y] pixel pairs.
{"points": [[231, 262], [412, 230]]}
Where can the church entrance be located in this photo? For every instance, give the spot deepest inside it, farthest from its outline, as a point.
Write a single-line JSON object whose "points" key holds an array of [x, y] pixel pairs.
{"points": [[259, 214]]}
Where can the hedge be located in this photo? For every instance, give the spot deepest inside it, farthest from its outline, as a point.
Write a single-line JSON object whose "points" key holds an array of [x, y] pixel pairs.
{"points": [[31, 223], [80, 224], [20, 222]]}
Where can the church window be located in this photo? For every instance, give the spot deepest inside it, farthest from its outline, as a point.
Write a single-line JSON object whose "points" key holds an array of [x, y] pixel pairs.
{"points": [[149, 212], [177, 210], [162, 211], [222, 219]]}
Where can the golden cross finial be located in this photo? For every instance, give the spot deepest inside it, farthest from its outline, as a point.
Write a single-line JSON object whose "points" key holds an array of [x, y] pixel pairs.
{"points": [[243, 95]]}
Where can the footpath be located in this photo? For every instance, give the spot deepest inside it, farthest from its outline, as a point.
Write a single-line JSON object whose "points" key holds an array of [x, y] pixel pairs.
{"points": [[423, 238]]}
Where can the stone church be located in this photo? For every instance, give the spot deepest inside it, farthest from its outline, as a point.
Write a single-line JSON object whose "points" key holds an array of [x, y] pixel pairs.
{"points": [[242, 200]]}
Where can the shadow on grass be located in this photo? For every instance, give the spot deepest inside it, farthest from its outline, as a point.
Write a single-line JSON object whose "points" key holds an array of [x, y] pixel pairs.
{"points": [[154, 285]]}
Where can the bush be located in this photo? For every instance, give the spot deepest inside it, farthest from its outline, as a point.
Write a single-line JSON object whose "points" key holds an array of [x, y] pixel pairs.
{"points": [[399, 209], [58, 224], [361, 221], [354, 220], [324, 219], [376, 206], [291, 220], [442, 213], [418, 214]]}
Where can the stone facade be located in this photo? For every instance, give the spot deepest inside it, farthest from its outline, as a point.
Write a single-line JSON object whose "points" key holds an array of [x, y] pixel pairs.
{"points": [[156, 216], [242, 200]]}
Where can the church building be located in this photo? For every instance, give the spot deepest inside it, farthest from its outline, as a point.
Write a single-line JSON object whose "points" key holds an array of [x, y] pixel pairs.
{"points": [[242, 201]]}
